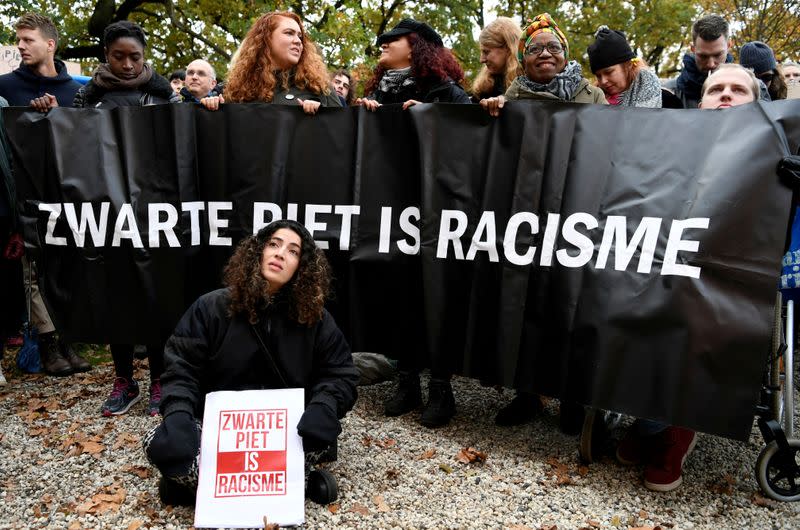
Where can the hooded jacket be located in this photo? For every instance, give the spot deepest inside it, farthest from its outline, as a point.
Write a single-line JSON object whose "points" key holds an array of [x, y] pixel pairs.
{"points": [[23, 84]]}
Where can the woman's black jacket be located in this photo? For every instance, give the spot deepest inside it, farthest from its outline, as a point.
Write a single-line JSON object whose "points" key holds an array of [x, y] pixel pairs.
{"points": [[210, 350], [447, 91]]}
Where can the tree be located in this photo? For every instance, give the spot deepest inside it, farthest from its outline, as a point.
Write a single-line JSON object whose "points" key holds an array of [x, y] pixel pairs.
{"points": [[776, 23]]}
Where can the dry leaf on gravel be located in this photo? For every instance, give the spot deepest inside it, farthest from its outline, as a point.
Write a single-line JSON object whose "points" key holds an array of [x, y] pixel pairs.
{"points": [[359, 508], [111, 498], [333, 508], [380, 503], [74, 525], [392, 473], [548, 527], [760, 500], [515, 526], [386, 443], [593, 523], [366, 440], [430, 453], [139, 471], [560, 470], [724, 486], [447, 469], [135, 524], [38, 431], [468, 455], [127, 440]]}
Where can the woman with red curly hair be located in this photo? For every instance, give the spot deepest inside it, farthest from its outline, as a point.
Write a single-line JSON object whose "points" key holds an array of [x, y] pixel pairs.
{"points": [[267, 329], [414, 67], [278, 63]]}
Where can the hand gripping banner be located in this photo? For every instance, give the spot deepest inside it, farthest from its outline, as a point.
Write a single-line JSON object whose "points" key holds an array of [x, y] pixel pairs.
{"points": [[623, 258]]}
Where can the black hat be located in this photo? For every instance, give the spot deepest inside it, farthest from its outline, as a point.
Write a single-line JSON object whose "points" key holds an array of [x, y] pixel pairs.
{"points": [[758, 57], [610, 47], [406, 26]]}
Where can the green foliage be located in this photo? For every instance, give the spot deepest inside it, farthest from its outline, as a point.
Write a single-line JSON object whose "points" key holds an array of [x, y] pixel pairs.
{"points": [[345, 30]]}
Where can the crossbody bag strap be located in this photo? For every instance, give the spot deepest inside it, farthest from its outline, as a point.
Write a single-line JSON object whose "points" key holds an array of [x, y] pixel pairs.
{"points": [[271, 360]]}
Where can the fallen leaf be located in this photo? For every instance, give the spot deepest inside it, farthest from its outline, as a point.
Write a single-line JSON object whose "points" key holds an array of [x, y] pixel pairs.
{"points": [[583, 470], [515, 526], [468, 455], [380, 503], [392, 473], [74, 525], [128, 440], [548, 527], [359, 509], [92, 448], [643, 514], [139, 471], [333, 508], [759, 500], [616, 521], [38, 431], [445, 468], [270, 526], [366, 440], [135, 524], [386, 443], [430, 453], [593, 523]]}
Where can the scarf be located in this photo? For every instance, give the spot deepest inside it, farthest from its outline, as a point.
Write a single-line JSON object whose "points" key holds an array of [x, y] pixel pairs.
{"points": [[105, 78], [393, 81], [645, 91], [563, 85], [691, 79]]}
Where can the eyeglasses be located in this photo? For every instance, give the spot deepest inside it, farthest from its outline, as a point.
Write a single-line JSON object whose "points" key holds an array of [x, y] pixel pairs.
{"points": [[536, 49]]}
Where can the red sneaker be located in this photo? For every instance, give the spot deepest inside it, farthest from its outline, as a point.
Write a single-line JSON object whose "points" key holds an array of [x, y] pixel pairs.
{"points": [[669, 452]]}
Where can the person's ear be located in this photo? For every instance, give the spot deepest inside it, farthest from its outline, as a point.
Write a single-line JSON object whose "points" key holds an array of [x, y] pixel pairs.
{"points": [[51, 45], [213, 83]]}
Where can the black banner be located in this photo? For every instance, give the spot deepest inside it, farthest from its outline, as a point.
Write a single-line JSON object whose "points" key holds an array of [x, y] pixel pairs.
{"points": [[623, 258]]}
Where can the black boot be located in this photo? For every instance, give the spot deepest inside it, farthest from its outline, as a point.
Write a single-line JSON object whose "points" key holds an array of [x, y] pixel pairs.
{"points": [[407, 396], [522, 409], [175, 494], [53, 362], [441, 405], [321, 487], [78, 363]]}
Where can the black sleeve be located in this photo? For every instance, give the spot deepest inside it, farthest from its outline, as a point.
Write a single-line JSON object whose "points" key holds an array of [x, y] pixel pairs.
{"points": [[457, 94], [335, 375], [185, 356]]}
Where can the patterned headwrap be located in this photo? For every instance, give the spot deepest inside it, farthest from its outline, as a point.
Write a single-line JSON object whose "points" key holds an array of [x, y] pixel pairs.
{"points": [[540, 23]]}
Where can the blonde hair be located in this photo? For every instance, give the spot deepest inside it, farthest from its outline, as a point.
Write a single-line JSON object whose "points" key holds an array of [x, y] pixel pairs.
{"points": [[500, 33]]}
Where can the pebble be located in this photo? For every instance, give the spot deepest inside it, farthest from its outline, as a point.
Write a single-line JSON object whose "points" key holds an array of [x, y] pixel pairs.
{"points": [[515, 486]]}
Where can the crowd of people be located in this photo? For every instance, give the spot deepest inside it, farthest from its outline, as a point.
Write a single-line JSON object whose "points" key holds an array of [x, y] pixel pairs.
{"points": [[276, 281]]}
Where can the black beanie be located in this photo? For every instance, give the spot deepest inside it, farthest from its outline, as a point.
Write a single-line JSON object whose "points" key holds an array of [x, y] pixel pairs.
{"points": [[610, 47]]}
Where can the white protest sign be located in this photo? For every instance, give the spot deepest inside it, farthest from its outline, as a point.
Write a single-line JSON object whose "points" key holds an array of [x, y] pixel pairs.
{"points": [[251, 460]]}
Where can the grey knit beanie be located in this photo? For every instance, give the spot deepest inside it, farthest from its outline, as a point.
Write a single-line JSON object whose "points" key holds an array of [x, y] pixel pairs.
{"points": [[758, 57]]}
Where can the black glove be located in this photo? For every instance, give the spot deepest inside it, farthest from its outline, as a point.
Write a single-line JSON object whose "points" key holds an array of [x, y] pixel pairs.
{"points": [[175, 445], [319, 427]]}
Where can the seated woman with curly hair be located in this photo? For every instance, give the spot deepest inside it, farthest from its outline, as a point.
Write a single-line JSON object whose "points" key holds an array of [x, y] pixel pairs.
{"points": [[267, 329], [414, 67], [278, 63]]}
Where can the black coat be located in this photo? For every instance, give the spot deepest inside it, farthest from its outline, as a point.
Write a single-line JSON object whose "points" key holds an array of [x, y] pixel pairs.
{"points": [[447, 91], [156, 91], [210, 351]]}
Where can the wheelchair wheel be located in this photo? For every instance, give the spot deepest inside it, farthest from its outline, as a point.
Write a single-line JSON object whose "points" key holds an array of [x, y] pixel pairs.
{"points": [[776, 363], [778, 472]]}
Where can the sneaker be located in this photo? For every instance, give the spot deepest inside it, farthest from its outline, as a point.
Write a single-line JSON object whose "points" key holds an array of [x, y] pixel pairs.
{"points": [[441, 405], [669, 452], [321, 487], [522, 409], [155, 398], [407, 396], [123, 396]]}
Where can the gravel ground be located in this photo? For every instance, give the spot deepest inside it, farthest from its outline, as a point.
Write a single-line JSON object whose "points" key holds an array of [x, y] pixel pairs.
{"points": [[64, 466]]}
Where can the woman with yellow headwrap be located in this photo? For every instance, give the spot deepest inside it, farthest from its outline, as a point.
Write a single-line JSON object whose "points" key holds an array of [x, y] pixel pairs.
{"points": [[549, 74]]}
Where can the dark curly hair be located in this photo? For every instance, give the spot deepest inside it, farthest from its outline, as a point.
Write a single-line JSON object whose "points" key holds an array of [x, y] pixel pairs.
{"points": [[306, 292], [430, 65]]}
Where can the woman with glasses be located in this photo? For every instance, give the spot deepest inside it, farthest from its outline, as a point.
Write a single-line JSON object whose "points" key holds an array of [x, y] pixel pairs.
{"points": [[759, 58], [549, 74]]}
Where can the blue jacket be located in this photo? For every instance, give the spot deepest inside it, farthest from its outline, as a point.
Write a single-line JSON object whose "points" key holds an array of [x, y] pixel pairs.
{"points": [[23, 84]]}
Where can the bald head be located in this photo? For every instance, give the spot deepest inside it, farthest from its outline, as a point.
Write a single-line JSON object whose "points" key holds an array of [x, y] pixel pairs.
{"points": [[200, 78]]}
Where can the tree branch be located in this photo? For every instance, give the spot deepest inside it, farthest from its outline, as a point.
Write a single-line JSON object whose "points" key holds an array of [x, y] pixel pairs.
{"points": [[186, 29]]}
